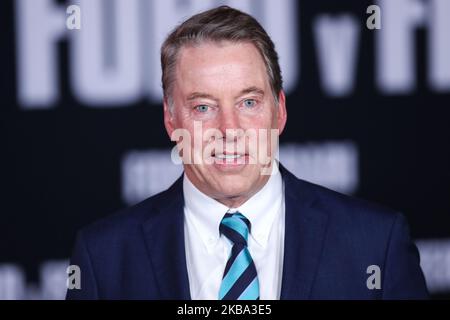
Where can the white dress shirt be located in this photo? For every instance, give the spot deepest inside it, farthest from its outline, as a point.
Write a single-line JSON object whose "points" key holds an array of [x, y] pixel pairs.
{"points": [[207, 251]]}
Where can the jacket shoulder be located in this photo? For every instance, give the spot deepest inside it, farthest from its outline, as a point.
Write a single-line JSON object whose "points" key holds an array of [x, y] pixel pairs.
{"points": [[339, 206], [126, 221]]}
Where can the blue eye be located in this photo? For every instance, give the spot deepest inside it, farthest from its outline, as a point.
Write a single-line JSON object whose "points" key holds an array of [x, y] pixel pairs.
{"points": [[202, 108], [249, 103]]}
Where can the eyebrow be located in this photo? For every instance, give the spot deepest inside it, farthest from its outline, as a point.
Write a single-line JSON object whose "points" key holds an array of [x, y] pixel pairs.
{"points": [[201, 95], [253, 89]]}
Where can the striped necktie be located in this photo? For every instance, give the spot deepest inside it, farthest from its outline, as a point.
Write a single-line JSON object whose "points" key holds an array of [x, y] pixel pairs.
{"points": [[240, 281]]}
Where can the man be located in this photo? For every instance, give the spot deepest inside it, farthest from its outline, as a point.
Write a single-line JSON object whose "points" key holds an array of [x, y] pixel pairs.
{"points": [[234, 226]]}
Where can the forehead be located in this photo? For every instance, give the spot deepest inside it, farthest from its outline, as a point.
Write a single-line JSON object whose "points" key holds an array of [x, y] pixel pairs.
{"points": [[221, 66]]}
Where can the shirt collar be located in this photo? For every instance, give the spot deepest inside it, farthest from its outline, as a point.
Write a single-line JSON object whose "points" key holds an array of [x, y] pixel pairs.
{"points": [[204, 212], [261, 209]]}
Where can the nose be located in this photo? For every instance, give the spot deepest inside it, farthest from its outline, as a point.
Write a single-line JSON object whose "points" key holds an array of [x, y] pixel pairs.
{"points": [[229, 119]]}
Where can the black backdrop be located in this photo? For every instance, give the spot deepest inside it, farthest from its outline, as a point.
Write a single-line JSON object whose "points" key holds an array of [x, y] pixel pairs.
{"points": [[62, 166]]}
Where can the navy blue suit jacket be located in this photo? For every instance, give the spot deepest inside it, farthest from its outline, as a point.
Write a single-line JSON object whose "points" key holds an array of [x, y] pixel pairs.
{"points": [[330, 240]]}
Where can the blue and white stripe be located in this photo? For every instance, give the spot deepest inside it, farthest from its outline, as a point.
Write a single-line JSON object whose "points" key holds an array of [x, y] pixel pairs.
{"points": [[240, 280]]}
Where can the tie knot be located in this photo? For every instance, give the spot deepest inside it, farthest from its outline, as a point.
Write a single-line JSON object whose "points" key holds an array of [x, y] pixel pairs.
{"points": [[236, 227]]}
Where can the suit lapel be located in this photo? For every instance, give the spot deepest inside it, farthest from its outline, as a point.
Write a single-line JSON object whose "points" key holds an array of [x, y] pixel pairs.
{"points": [[164, 236], [305, 228]]}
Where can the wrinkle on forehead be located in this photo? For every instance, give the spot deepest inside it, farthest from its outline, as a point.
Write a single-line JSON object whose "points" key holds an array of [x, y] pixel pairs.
{"points": [[220, 67]]}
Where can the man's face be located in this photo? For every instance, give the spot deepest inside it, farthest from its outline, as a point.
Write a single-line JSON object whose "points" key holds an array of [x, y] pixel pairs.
{"points": [[224, 86]]}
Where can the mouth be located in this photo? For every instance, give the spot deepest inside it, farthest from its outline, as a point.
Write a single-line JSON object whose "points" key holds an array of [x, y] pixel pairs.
{"points": [[230, 159], [228, 156]]}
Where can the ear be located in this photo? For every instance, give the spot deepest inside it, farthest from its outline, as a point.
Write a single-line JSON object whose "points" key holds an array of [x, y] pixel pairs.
{"points": [[168, 118], [282, 112]]}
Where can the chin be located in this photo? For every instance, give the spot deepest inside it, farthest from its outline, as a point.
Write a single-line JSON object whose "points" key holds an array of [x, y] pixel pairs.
{"points": [[234, 186]]}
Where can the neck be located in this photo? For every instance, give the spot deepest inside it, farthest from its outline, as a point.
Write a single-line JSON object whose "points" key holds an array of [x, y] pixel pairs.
{"points": [[233, 202]]}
